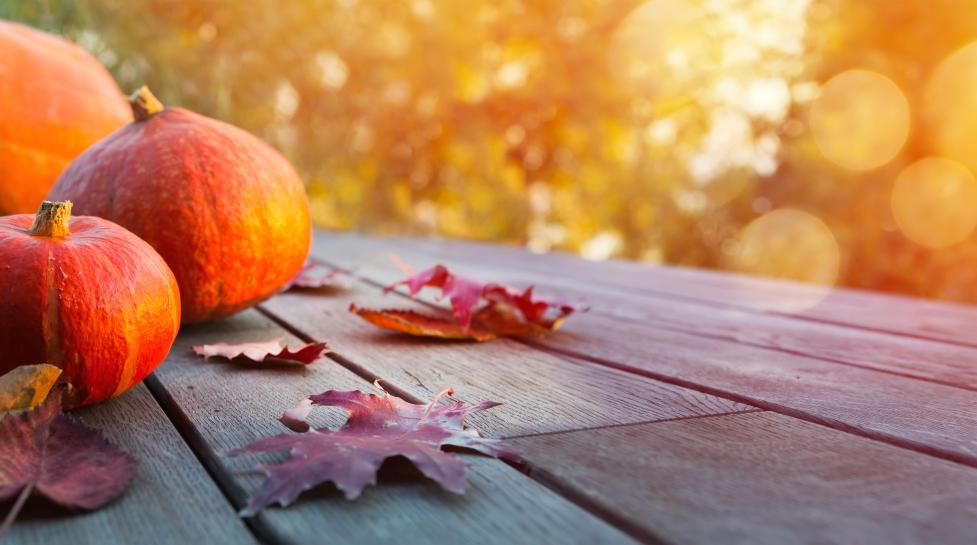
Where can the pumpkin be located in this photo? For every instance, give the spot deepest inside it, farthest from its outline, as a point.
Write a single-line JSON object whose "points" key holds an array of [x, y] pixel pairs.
{"points": [[226, 211], [56, 101], [86, 295]]}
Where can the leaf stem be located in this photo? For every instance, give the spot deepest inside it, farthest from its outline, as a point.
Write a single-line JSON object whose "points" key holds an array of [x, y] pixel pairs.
{"points": [[15, 510]]}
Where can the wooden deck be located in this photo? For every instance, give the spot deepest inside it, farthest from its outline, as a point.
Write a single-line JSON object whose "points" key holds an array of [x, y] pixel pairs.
{"points": [[687, 407]]}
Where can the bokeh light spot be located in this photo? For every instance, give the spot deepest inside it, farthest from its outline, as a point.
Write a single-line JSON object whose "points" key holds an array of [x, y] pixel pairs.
{"points": [[934, 202], [860, 120], [950, 110], [791, 245]]}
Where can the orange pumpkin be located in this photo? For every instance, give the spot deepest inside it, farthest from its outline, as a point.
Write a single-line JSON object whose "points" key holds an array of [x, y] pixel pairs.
{"points": [[86, 295], [56, 100], [226, 211]]}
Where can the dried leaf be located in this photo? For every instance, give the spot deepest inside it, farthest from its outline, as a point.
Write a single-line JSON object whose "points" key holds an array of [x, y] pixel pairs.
{"points": [[317, 276], [463, 293], [27, 386], [50, 454], [422, 325], [263, 352], [489, 308], [378, 427], [295, 418]]}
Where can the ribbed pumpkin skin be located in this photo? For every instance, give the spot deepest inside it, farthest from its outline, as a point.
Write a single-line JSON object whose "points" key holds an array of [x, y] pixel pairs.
{"points": [[226, 211], [99, 303], [55, 101]]}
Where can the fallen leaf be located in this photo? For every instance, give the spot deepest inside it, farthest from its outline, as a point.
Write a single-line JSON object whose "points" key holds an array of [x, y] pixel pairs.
{"points": [[463, 293], [316, 276], [490, 309], [295, 418], [422, 325], [263, 352], [49, 454], [27, 386], [377, 428]]}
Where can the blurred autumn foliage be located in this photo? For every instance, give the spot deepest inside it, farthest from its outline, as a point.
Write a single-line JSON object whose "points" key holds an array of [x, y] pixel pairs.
{"points": [[767, 136]]}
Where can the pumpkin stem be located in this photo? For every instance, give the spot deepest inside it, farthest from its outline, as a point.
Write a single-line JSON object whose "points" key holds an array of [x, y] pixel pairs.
{"points": [[144, 104], [52, 220]]}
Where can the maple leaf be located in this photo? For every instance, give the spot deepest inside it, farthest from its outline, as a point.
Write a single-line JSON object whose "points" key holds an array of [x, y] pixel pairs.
{"points": [[27, 386], [422, 325], [377, 428], [50, 454], [316, 276], [463, 293], [272, 351], [491, 308]]}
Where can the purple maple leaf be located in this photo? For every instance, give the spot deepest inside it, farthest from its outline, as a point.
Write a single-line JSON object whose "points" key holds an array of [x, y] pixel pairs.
{"points": [[50, 454], [377, 428]]}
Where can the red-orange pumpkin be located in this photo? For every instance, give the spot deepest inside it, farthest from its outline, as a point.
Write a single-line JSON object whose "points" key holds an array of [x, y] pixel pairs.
{"points": [[55, 101], [226, 211], [86, 295]]}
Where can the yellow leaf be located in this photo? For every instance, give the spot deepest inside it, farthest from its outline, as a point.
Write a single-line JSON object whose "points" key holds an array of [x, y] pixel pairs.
{"points": [[27, 386]]}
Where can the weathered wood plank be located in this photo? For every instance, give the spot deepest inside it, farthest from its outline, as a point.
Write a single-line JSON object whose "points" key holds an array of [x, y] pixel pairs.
{"points": [[231, 405], [541, 392], [171, 500], [762, 478], [941, 362], [917, 414], [938, 320]]}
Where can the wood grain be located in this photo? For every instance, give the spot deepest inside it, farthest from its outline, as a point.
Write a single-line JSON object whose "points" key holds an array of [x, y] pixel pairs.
{"points": [[541, 392], [910, 316], [950, 364], [232, 405], [921, 415], [171, 499], [763, 479]]}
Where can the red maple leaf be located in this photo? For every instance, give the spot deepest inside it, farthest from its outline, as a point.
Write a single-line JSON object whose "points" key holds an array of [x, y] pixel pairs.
{"points": [[463, 293], [492, 308], [377, 428], [263, 352], [50, 454]]}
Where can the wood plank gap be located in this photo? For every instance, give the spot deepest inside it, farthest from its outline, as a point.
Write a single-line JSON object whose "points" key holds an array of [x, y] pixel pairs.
{"points": [[579, 497], [352, 366], [624, 425], [232, 491], [809, 355], [570, 493], [921, 448], [813, 319]]}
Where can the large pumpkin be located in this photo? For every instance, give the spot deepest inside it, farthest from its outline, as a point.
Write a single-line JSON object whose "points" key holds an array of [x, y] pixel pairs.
{"points": [[55, 101], [226, 211], [86, 295]]}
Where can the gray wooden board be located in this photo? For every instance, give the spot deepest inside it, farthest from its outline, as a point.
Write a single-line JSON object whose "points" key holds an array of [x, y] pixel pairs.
{"points": [[172, 500], [763, 479], [911, 412], [540, 392], [231, 405], [911, 316], [941, 362]]}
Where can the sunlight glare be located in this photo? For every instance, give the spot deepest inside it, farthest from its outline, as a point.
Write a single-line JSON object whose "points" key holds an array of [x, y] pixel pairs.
{"points": [[934, 202], [860, 120]]}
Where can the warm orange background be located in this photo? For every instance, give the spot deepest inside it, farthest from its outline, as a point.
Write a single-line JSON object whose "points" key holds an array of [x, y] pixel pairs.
{"points": [[833, 141]]}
